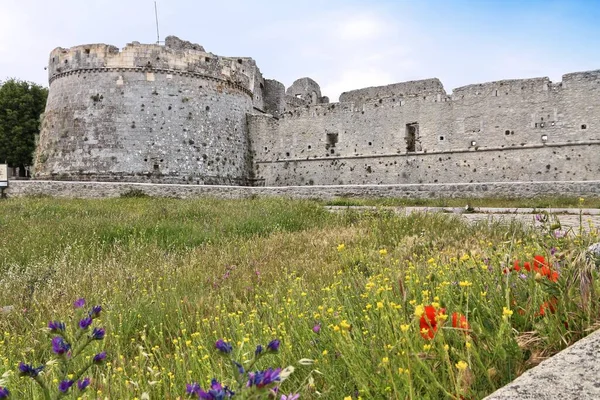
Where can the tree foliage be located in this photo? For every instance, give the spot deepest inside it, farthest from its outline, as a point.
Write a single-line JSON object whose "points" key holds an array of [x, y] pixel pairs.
{"points": [[21, 104]]}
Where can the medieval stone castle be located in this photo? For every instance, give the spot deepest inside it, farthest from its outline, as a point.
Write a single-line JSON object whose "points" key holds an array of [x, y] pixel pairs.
{"points": [[175, 113]]}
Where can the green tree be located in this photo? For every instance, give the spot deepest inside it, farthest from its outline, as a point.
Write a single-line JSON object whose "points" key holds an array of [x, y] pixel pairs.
{"points": [[21, 104]]}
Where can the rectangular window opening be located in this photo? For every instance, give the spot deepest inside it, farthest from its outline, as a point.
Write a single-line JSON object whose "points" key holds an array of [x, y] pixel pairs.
{"points": [[332, 139], [412, 136]]}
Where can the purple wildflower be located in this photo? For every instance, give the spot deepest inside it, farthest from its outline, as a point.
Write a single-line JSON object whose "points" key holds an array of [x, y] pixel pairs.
{"points": [[264, 378], [95, 312], [82, 384], [559, 234], [79, 303], [223, 346], [65, 385], [553, 251], [522, 276], [316, 328], [193, 388], [273, 345], [98, 334], [60, 346], [4, 393], [290, 396], [259, 349], [56, 326], [239, 366], [216, 391], [99, 358], [538, 218], [29, 370], [85, 323]]}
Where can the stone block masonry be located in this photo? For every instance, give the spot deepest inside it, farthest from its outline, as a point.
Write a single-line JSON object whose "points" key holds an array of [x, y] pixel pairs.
{"points": [[179, 114], [69, 189]]}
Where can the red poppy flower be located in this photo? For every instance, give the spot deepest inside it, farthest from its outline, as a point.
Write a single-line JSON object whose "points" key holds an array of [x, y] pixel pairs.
{"points": [[553, 276], [548, 305], [516, 266], [539, 262], [545, 271], [527, 266], [459, 321], [429, 323]]}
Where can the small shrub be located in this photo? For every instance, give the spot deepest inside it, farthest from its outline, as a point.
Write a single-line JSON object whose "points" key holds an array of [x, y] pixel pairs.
{"points": [[134, 193]]}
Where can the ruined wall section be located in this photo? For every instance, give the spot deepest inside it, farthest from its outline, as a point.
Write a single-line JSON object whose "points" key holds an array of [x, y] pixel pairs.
{"points": [[274, 97], [424, 87], [580, 107], [306, 89], [147, 113], [513, 130]]}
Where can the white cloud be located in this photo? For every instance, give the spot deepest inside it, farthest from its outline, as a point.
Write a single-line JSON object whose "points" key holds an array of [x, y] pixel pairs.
{"points": [[359, 27]]}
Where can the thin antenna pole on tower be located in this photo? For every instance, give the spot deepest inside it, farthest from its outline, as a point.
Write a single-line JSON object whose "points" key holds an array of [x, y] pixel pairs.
{"points": [[156, 15]]}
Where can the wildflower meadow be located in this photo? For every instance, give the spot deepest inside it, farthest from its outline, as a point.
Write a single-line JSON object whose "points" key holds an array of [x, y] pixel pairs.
{"points": [[142, 298]]}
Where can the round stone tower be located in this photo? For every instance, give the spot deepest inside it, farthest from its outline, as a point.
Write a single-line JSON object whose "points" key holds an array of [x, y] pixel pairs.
{"points": [[148, 113]]}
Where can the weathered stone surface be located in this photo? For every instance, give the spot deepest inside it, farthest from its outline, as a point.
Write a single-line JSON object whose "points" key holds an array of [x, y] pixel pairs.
{"points": [[418, 191], [148, 113], [571, 374], [177, 114]]}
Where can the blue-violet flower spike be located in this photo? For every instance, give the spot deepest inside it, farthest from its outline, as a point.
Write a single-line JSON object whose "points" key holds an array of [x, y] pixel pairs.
{"points": [[193, 388], [4, 393], [64, 386], [259, 349], [274, 345], [79, 303], [85, 323], [95, 312], [223, 346], [56, 326], [59, 346], [82, 384], [98, 333], [99, 358], [29, 370]]}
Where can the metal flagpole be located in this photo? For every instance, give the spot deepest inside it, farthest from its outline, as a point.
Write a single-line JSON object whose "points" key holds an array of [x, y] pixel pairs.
{"points": [[156, 15]]}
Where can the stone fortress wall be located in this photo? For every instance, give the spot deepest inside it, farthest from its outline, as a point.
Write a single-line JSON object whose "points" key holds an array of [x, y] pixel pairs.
{"points": [[413, 132], [171, 114], [177, 114]]}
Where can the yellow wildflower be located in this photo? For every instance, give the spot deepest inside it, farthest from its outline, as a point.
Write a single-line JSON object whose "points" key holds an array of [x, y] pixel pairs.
{"points": [[461, 365], [419, 310]]}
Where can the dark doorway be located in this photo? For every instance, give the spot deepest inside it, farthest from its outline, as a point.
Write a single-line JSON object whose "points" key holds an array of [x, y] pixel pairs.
{"points": [[412, 135]]}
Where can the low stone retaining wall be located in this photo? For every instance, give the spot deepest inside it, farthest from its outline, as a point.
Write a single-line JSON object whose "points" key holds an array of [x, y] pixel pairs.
{"points": [[71, 189]]}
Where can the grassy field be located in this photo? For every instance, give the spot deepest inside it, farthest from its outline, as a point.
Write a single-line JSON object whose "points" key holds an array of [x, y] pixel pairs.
{"points": [[538, 202], [366, 305]]}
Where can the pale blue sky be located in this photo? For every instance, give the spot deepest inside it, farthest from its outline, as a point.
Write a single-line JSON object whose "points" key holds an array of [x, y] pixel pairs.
{"points": [[343, 45]]}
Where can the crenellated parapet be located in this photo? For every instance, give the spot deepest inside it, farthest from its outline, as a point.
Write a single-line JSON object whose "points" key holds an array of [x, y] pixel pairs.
{"points": [[175, 57]]}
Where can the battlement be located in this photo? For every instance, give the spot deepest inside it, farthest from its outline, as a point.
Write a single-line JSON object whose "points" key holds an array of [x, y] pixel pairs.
{"points": [[424, 87], [175, 56]]}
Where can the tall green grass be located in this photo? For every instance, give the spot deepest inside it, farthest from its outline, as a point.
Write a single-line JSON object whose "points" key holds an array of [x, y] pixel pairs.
{"points": [[176, 275]]}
